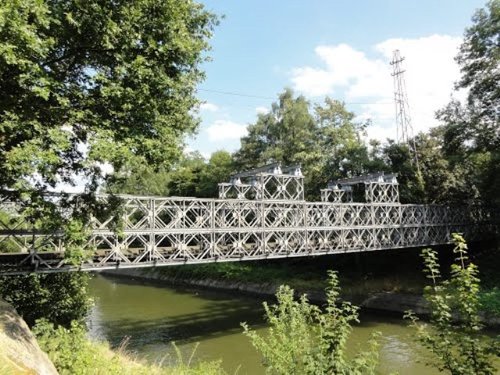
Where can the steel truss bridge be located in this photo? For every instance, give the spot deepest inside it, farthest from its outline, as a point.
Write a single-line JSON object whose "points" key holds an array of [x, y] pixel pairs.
{"points": [[261, 214]]}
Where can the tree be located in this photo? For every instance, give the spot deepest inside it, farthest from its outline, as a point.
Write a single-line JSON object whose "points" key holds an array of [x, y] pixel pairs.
{"points": [[327, 144], [479, 58], [143, 180], [191, 176], [438, 179], [285, 134], [219, 168], [92, 83], [454, 336], [185, 177], [399, 160], [444, 180], [303, 339], [472, 131], [342, 152]]}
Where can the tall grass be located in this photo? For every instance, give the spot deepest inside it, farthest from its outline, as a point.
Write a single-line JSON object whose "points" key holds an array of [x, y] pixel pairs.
{"points": [[73, 353]]}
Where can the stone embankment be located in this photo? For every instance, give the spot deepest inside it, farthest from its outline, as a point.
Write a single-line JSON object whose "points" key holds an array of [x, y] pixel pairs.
{"points": [[19, 350], [385, 302]]}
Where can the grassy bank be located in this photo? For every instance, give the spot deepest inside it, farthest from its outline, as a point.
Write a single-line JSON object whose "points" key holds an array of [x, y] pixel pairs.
{"points": [[361, 273], [73, 353]]}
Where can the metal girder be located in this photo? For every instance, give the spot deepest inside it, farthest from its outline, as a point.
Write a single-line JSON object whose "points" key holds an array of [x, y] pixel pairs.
{"points": [[273, 168], [168, 231], [381, 192], [367, 178], [336, 195], [270, 182], [378, 188]]}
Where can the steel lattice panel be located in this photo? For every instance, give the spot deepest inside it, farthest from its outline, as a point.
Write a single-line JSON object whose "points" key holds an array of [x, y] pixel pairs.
{"points": [[163, 231]]}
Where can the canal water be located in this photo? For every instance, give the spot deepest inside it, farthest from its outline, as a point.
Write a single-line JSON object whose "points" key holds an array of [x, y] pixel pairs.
{"points": [[149, 317]]}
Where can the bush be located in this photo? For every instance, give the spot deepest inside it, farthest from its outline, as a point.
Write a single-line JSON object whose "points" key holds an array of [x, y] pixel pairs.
{"points": [[72, 353], [303, 339], [59, 297], [490, 301], [454, 334]]}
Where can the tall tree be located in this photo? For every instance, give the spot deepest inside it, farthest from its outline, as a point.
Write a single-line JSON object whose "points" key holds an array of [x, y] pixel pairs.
{"points": [[285, 134], [399, 160], [326, 141], [342, 151], [219, 168], [191, 176], [472, 131], [86, 83], [185, 177], [479, 59], [91, 83]]}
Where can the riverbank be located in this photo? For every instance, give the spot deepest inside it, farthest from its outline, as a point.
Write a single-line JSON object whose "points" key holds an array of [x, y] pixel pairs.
{"points": [[390, 282], [49, 351], [393, 302]]}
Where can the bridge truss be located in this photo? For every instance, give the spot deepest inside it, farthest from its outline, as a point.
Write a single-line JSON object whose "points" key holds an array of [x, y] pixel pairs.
{"points": [[171, 231]]}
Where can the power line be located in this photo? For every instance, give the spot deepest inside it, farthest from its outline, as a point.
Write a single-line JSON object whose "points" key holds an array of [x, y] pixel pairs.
{"points": [[230, 93], [236, 94]]}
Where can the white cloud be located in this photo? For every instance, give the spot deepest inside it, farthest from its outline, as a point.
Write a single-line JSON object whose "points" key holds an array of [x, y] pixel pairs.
{"points": [[262, 110], [209, 107], [222, 130], [430, 72]]}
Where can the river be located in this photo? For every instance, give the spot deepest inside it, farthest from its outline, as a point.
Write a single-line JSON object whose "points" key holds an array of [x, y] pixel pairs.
{"points": [[151, 316]]}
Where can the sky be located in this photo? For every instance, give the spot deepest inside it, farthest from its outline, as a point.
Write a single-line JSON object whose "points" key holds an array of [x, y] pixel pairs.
{"points": [[338, 48]]}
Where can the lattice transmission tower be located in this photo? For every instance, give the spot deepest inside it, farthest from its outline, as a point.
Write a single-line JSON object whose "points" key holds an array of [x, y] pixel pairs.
{"points": [[404, 129]]}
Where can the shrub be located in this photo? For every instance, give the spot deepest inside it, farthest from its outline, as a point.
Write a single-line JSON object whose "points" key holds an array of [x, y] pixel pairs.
{"points": [[304, 339], [72, 353], [453, 335]]}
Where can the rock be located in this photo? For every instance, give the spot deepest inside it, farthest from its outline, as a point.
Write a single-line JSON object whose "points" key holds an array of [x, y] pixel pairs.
{"points": [[397, 302], [19, 348]]}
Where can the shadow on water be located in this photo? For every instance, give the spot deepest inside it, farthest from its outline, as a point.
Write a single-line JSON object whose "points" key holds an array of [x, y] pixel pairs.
{"points": [[135, 310]]}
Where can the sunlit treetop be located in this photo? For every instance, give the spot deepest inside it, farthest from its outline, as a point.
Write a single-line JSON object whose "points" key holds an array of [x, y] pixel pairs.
{"points": [[94, 82]]}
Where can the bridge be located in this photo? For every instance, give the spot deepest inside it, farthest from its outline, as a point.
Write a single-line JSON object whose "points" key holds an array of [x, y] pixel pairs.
{"points": [[260, 214]]}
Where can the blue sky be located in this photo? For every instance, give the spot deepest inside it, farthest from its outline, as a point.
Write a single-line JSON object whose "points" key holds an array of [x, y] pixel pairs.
{"points": [[336, 48]]}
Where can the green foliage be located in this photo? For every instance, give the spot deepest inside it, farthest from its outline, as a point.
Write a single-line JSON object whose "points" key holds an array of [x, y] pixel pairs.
{"points": [[399, 159], [479, 59], [72, 353], [454, 336], [117, 77], [191, 176], [325, 141], [86, 84], [185, 178], [285, 134], [68, 349], [471, 136], [303, 339], [490, 301], [187, 367], [60, 298], [219, 168]]}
